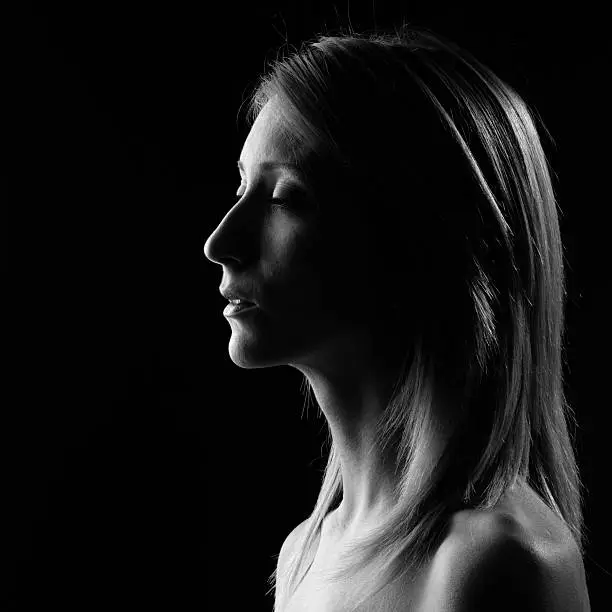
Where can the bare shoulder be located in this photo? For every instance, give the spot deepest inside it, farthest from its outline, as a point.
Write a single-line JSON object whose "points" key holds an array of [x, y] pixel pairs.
{"points": [[490, 562], [288, 547], [286, 552]]}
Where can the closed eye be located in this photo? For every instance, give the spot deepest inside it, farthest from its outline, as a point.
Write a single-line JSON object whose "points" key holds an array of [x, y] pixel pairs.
{"points": [[280, 202], [283, 203]]}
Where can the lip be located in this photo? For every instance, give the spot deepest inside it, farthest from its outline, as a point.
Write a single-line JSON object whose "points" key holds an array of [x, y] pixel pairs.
{"points": [[237, 310], [235, 294]]}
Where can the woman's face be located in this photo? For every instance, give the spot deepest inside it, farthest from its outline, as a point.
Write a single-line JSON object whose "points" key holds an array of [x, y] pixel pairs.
{"points": [[312, 277]]}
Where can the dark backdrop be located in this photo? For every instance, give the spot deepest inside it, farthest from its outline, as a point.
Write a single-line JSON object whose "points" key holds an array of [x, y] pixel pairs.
{"points": [[141, 466]]}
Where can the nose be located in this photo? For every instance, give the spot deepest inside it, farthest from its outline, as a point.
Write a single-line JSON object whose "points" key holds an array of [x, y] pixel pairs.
{"points": [[208, 248], [236, 234], [216, 246]]}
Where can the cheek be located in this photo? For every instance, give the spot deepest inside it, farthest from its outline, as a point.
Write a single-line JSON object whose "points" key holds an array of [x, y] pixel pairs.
{"points": [[322, 270], [294, 267], [347, 286]]}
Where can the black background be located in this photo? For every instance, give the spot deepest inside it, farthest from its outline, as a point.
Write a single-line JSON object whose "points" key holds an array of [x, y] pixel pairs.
{"points": [[141, 466]]}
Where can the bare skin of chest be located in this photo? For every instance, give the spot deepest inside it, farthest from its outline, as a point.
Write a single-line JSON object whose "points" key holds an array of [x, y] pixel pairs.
{"points": [[314, 593]]}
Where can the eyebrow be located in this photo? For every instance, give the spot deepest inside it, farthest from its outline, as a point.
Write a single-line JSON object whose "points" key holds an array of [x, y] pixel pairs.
{"points": [[273, 165]]}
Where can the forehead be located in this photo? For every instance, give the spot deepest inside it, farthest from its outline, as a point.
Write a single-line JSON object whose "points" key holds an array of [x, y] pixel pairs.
{"points": [[267, 140], [273, 146]]}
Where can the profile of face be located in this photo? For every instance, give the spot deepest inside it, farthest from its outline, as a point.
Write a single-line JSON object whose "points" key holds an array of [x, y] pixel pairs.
{"points": [[312, 276]]}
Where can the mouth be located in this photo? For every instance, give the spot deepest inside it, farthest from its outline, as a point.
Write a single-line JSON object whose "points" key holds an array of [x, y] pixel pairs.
{"points": [[233, 309]]}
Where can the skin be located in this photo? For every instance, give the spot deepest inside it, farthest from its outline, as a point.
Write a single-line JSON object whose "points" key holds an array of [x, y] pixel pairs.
{"points": [[316, 282]]}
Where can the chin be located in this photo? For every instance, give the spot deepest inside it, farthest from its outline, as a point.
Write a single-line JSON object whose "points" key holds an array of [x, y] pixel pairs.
{"points": [[252, 355]]}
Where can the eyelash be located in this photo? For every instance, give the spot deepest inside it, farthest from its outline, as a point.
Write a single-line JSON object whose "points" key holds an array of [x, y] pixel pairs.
{"points": [[280, 202]]}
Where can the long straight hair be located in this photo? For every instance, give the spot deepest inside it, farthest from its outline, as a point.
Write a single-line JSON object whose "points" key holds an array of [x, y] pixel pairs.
{"points": [[445, 159]]}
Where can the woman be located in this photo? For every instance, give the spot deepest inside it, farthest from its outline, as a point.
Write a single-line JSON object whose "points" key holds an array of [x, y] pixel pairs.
{"points": [[396, 240]]}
